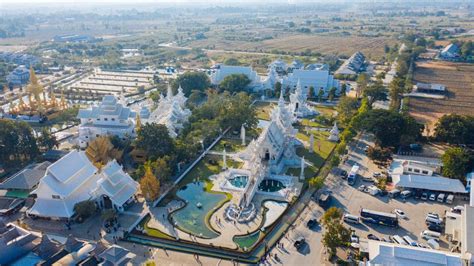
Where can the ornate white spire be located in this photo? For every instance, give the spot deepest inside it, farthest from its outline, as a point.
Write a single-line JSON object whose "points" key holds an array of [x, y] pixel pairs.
{"points": [[281, 101], [169, 93]]}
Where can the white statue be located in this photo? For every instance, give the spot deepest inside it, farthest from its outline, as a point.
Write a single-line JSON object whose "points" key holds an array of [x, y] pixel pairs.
{"points": [[334, 133], [302, 169], [311, 143], [224, 155], [242, 134]]}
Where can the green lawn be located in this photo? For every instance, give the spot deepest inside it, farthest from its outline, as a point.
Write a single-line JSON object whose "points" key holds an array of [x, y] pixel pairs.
{"points": [[326, 110], [231, 145], [264, 110]]}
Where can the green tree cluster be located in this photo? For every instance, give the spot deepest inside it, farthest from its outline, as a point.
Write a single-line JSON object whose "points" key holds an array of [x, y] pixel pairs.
{"points": [[391, 128], [335, 234], [455, 129], [456, 163], [17, 142], [191, 81], [235, 83]]}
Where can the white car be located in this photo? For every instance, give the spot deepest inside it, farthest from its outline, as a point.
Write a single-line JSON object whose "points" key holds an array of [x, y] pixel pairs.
{"points": [[433, 197], [401, 214]]}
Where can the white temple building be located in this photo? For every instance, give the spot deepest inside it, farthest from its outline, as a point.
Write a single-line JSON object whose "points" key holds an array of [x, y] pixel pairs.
{"points": [[171, 112], [318, 79], [223, 71], [298, 104], [110, 117], [73, 179]]}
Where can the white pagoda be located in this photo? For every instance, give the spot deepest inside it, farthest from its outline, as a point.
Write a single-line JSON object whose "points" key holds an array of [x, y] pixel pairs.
{"points": [[110, 117], [276, 144], [298, 103], [334, 133], [73, 179], [171, 112], [271, 80]]}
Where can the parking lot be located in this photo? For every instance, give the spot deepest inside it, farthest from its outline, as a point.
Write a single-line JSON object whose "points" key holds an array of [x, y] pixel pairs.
{"points": [[351, 200]]}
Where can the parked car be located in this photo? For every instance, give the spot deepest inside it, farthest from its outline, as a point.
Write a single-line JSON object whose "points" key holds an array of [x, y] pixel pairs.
{"points": [[376, 175], [433, 197], [312, 223], [424, 196], [405, 194], [348, 218], [450, 199], [367, 179], [432, 220], [435, 228], [457, 209], [354, 238], [394, 193], [433, 214], [427, 234], [343, 174], [373, 237], [440, 198], [387, 239], [401, 214], [299, 243], [361, 188], [410, 241]]}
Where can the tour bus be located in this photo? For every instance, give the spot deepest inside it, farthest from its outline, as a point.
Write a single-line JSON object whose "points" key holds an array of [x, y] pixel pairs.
{"points": [[352, 177], [383, 218]]}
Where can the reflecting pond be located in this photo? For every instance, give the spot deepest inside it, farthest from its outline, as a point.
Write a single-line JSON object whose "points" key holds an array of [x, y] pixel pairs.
{"points": [[192, 217]]}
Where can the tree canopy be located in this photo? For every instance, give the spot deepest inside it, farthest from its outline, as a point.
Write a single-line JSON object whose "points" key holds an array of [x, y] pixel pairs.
{"points": [[190, 81], [456, 163], [455, 129], [346, 109], [235, 83], [375, 92], [101, 150], [336, 234], [149, 184], [46, 141], [17, 142], [391, 128], [154, 140]]}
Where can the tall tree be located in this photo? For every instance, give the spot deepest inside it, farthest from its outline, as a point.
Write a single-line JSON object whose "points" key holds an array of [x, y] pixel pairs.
{"points": [[17, 142], [155, 141], [46, 141], [332, 94], [455, 129], [456, 163], [190, 81], [149, 184], [375, 92], [320, 95], [100, 151], [235, 83], [346, 109], [362, 82]]}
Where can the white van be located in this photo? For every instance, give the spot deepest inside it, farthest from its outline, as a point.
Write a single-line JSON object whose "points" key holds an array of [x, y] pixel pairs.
{"points": [[450, 199], [399, 240], [433, 244], [441, 198], [427, 234], [394, 193], [433, 220], [405, 194], [348, 218]]}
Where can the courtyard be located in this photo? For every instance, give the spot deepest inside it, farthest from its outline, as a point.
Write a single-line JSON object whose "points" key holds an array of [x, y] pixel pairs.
{"points": [[234, 197]]}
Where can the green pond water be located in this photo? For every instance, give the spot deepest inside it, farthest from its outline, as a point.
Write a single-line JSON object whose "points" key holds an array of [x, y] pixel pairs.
{"points": [[239, 181], [191, 218], [247, 241]]}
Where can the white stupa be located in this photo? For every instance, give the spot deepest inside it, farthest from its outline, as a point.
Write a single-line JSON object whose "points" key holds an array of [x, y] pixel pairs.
{"points": [[298, 103], [171, 111], [334, 133]]}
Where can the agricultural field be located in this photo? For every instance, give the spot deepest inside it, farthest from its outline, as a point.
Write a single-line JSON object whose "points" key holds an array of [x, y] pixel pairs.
{"points": [[459, 81]]}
